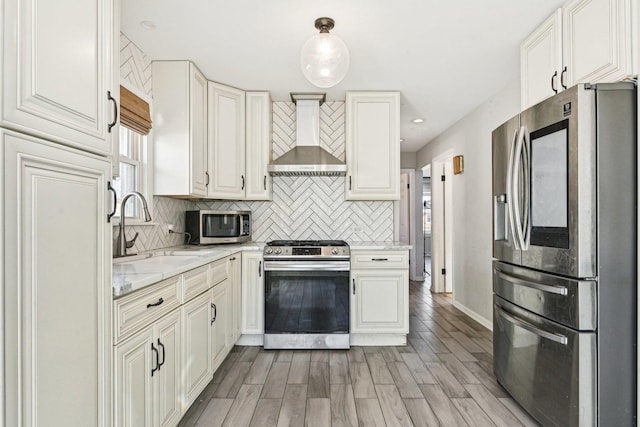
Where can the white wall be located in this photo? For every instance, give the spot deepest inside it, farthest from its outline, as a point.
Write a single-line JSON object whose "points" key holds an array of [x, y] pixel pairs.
{"points": [[472, 222]]}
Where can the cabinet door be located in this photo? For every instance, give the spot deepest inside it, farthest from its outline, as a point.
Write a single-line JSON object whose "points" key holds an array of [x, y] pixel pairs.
{"points": [[235, 282], [597, 41], [380, 302], [258, 145], [373, 146], [221, 326], [541, 62], [226, 142], [198, 131], [56, 59], [135, 359], [196, 346], [168, 340], [57, 360], [252, 293]]}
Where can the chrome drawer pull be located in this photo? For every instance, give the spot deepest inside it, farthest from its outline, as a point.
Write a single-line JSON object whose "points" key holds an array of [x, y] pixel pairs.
{"points": [[559, 290], [560, 339]]}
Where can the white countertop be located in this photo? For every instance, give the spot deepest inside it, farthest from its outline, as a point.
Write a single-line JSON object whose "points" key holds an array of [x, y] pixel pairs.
{"points": [[379, 246], [136, 272]]}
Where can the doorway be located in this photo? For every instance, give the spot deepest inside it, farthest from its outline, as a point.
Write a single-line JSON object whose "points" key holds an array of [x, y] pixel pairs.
{"points": [[442, 224], [426, 221]]}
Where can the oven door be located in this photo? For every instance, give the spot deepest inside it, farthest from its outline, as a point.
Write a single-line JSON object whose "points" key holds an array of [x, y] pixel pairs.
{"points": [[306, 304]]}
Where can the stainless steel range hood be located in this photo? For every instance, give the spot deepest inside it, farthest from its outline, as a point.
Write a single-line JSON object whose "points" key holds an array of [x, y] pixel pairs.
{"points": [[307, 157]]}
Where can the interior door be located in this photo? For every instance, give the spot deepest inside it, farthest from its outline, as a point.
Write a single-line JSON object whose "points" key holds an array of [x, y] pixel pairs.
{"points": [[503, 146]]}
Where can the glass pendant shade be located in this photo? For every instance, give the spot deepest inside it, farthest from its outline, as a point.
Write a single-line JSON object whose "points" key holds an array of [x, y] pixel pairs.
{"points": [[324, 60]]}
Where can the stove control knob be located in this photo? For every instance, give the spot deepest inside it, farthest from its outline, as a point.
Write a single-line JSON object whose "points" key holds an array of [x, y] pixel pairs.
{"points": [[278, 251], [268, 251], [334, 251]]}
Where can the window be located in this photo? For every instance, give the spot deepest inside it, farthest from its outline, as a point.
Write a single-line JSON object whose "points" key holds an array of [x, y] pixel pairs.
{"points": [[135, 169]]}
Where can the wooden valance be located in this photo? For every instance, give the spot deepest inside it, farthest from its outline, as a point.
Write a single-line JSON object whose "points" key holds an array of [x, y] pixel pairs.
{"points": [[134, 112]]}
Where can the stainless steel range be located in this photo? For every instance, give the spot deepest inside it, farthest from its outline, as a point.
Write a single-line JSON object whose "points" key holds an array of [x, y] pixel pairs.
{"points": [[306, 294]]}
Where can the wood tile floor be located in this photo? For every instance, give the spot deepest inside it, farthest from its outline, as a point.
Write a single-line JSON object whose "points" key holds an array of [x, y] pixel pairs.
{"points": [[442, 377]]}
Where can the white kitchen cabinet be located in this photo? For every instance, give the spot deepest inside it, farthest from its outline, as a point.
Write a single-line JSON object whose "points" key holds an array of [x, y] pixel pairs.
{"points": [[220, 323], [180, 129], [56, 303], [373, 145], [148, 382], [252, 293], [258, 145], [379, 292], [57, 71], [197, 369], [226, 142], [235, 283], [587, 41]]}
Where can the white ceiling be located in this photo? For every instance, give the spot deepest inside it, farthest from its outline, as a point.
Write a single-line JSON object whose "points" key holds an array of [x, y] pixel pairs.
{"points": [[445, 57]]}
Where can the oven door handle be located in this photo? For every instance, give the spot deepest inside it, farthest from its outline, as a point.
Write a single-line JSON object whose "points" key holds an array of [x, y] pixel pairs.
{"points": [[307, 266], [560, 339]]}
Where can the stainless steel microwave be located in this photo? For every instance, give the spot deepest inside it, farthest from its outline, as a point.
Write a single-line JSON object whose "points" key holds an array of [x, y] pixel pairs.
{"points": [[213, 227]]}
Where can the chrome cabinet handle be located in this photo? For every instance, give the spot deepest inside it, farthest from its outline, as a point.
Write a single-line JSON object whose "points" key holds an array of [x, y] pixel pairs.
{"points": [[115, 201], [558, 290], [157, 368], [215, 313], [564, 71], [553, 82], [155, 304], [115, 111], [560, 339]]}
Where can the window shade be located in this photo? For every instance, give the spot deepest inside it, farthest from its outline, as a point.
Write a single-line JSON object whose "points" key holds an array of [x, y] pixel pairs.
{"points": [[134, 112]]}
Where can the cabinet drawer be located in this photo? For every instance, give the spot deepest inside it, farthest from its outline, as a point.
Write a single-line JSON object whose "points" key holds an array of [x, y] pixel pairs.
{"points": [[218, 271], [195, 282], [139, 309], [379, 259]]}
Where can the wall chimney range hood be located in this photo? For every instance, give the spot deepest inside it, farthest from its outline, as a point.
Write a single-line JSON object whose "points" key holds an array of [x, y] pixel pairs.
{"points": [[307, 157]]}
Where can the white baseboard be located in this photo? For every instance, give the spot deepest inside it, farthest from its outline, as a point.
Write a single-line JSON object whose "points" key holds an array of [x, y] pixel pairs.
{"points": [[475, 316], [251, 340], [378, 339]]}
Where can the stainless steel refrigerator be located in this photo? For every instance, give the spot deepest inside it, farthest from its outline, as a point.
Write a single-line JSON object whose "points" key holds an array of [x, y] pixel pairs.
{"points": [[564, 248]]}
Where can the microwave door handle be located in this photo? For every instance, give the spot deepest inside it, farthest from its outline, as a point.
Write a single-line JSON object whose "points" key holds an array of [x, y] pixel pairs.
{"points": [[517, 158], [516, 135]]}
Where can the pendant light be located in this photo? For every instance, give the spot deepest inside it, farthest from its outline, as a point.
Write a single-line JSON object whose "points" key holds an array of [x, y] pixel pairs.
{"points": [[324, 58]]}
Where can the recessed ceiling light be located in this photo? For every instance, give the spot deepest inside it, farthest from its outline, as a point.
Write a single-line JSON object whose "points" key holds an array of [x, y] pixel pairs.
{"points": [[148, 25], [417, 120]]}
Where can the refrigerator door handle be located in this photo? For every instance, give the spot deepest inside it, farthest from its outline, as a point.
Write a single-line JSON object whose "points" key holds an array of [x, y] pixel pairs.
{"points": [[514, 183], [558, 290], [516, 135], [526, 229], [560, 339]]}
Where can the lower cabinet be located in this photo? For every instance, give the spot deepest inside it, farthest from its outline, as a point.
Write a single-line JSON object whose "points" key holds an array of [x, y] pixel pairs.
{"points": [[163, 364], [196, 347], [252, 293], [148, 381], [380, 292]]}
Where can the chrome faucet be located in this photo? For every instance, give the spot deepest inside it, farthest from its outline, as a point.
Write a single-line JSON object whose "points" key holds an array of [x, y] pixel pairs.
{"points": [[122, 244]]}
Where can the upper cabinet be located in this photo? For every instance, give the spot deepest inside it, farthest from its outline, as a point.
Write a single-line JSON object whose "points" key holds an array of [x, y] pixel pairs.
{"points": [[180, 129], [226, 142], [258, 145], [373, 145], [57, 71], [587, 41]]}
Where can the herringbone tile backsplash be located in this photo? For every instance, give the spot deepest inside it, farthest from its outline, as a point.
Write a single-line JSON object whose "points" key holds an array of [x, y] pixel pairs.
{"points": [[302, 207]]}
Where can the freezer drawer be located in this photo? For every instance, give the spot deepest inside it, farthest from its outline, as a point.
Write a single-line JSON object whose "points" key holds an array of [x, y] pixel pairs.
{"points": [[550, 370], [569, 302]]}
